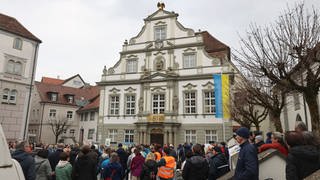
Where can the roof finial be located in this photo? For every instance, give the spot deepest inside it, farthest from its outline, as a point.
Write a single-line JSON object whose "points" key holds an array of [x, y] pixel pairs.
{"points": [[161, 5]]}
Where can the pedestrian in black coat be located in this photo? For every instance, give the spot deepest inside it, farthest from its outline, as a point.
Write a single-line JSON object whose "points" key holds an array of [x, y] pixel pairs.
{"points": [[23, 155], [196, 168], [218, 164], [84, 167]]}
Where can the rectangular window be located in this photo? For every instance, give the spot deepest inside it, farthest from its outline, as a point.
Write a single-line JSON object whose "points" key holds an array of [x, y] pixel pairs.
{"points": [[17, 43], [130, 104], [160, 32], [190, 102], [5, 95], [13, 96], [189, 60], [86, 116], [82, 117], [70, 99], [90, 133], [211, 135], [113, 134], [191, 136], [296, 101], [128, 135], [92, 116], [132, 66], [54, 96], [72, 132], [69, 115], [158, 103], [52, 113], [114, 105], [209, 102]]}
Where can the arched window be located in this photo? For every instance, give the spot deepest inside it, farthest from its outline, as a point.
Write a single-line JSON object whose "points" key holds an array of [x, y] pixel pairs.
{"points": [[17, 43], [18, 68], [5, 95], [298, 118], [10, 66]]}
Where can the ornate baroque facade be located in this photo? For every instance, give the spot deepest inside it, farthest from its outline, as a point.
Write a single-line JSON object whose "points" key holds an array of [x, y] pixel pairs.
{"points": [[162, 89]]}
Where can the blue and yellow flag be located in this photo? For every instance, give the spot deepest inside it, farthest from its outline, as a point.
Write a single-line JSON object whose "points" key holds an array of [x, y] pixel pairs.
{"points": [[222, 95]]}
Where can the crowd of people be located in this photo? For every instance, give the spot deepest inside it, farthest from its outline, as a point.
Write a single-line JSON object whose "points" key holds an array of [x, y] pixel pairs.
{"points": [[154, 162]]}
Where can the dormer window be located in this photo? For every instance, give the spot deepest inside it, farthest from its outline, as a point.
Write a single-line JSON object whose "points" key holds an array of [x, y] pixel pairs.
{"points": [[70, 99], [17, 43], [54, 97], [160, 32]]}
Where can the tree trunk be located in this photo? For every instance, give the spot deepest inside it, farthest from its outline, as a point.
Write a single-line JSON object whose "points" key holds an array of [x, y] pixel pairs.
{"points": [[311, 100], [275, 118], [257, 126], [57, 136]]}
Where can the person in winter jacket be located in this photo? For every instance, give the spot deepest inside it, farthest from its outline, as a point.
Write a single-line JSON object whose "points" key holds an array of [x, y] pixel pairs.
{"points": [[197, 166], [277, 143], [149, 168], [42, 165], [84, 167], [303, 158], [113, 171], [166, 165], [136, 165], [23, 155], [63, 169], [55, 157], [218, 164], [247, 165], [123, 155]]}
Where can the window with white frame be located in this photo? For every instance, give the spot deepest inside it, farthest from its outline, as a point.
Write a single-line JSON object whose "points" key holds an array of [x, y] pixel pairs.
{"points": [[90, 133], [69, 115], [92, 116], [82, 117], [13, 96], [131, 66], [114, 105], [158, 103], [130, 104], [113, 134], [14, 67], [209, 105], [296, 101], [5, 95], [86, 116], [128, 135], [54, 96], [211, 135], [190, 102], [160, 32], [52, 113], [70, 99], [72, 132], [191, 136], [189, 60], [17, 43]]}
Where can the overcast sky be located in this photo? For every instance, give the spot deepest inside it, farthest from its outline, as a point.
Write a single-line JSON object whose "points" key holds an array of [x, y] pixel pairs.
{"points": [[81, 36]]}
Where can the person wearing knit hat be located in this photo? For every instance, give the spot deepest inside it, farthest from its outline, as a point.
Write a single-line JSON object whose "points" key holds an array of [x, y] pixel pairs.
{"points": [[247, 164]]}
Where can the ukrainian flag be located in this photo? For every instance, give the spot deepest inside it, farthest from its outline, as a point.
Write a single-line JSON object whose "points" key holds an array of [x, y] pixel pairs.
{"points": [[222, 95]]}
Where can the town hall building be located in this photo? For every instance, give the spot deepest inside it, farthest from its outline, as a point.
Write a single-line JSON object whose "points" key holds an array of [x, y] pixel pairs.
{"points": [[162, 88]]}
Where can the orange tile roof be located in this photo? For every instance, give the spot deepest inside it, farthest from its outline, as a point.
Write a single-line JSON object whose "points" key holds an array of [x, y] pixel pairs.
{"points": [[94, 104], [48, 80], [86, 93], [11, 25]]}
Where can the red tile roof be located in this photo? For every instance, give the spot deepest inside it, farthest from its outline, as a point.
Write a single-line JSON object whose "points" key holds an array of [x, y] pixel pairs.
{"points": [[48, 80], [11, 25], [214, 47], [86, 93], [93, 105]]}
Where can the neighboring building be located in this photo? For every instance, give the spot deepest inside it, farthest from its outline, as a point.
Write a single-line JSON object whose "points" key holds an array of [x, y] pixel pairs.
{"points": [[56, 99], [162, 89], [18, 61]]}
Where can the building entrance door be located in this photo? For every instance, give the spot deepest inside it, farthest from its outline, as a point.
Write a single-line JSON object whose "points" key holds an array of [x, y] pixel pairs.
{"points": [[156, 136], [156, 139]]}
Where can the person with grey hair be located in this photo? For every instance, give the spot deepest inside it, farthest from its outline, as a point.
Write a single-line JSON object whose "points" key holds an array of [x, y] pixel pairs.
{"points": [[258, 141], [277, 143], [26, 161]]}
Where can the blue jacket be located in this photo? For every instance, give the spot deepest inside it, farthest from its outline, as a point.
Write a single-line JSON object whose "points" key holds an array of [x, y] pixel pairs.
{"points": [[27, 164], [113, 171], [247, 165]]}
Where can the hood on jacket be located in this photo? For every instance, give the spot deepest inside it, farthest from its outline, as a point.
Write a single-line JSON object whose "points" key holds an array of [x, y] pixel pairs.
{"points": [[38, 160], [114, 165], [62, 164], [150, 163], [307, 152], [197, 161]]}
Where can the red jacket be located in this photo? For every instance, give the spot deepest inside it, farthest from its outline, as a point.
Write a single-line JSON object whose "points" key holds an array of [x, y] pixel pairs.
{"points": [[276, 146]]}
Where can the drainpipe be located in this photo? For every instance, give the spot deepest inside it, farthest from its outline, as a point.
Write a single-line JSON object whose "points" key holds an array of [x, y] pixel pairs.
{"points": [[41, 122], [30, 89]]}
